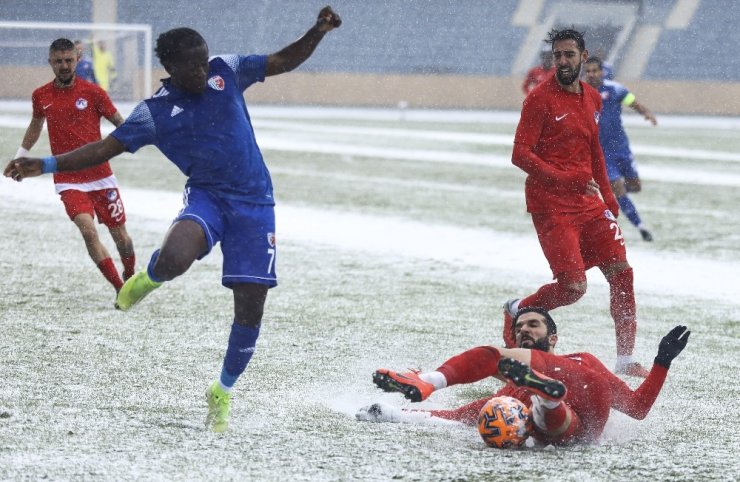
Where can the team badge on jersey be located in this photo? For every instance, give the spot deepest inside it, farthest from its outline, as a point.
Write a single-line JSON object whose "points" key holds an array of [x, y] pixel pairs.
{"points": [[112, 195], [81, 103], [271, 239], [216, 82], [597, 116], [608, 215]]}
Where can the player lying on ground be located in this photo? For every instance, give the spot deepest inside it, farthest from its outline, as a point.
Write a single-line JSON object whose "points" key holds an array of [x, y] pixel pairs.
{"points": [[570, 395], [199, 120]]}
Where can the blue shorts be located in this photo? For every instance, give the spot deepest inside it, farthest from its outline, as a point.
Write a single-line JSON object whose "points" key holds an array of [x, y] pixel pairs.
{"points": [[621, 164], [246, 232]]}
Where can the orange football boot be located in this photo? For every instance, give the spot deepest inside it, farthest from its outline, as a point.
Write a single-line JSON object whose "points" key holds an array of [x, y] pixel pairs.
{"points": [[408, 383]]}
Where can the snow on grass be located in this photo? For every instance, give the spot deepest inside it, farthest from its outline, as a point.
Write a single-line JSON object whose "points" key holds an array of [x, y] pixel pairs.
{"points": [[91, 393]]}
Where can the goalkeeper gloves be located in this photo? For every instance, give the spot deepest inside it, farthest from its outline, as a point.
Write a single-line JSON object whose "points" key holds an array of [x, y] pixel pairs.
{"points": [[671, 345]]}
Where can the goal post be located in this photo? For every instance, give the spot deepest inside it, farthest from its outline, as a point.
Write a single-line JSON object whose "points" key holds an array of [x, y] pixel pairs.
{"points": [[24, 49]]}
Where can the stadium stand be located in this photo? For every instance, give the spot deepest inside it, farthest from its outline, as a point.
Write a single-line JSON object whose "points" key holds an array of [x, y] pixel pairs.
{"points": [[473, 48]]}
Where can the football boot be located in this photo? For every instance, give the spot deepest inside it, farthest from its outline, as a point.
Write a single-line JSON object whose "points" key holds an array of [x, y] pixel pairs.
{"points": [[134, 290], [219, 408], [536, 383], [408, 383]]}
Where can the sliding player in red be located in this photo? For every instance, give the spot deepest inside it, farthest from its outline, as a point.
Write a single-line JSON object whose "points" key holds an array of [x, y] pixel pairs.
{"points": [[569, 197], [570, 395]]}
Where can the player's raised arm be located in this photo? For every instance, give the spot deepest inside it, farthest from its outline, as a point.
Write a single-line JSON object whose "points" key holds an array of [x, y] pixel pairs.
{"points": [[86, 156], [296, 53]]}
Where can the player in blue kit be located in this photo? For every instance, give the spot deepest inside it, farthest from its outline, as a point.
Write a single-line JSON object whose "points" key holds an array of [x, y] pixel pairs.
{"points": [[199, 120], [620, 164]]}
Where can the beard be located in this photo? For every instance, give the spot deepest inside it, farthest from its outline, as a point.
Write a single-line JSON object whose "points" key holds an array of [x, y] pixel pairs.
{"points": [[566, 79], [65, 80], [541, 344]]}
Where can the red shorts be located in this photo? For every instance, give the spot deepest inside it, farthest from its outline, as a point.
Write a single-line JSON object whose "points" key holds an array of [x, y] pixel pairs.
{"points": [[589, 394], [575, 242], [106, 203]]}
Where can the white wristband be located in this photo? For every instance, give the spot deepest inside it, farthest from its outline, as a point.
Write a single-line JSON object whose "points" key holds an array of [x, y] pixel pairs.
{"points": [[22, 152]]}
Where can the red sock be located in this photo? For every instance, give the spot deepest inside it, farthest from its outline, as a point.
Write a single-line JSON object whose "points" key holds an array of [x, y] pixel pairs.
{"points": [[624, 310], [554, 295], [561, 423], [471, 366], [466, 414], [108, 268], [129, 266]]}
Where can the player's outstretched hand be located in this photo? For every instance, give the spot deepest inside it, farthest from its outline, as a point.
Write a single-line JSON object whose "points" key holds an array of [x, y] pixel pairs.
{"points": [[671, 345], [328, 19], [23, 167]]}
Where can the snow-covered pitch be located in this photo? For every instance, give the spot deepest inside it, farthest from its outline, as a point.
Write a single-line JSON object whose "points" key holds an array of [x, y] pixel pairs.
{"points": [[400, 235]]}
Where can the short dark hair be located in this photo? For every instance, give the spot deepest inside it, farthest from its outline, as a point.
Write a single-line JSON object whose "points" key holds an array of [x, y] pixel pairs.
{"points": [[595, 60], [552, 328], [556, 35], [172, 42], [61, 44]]}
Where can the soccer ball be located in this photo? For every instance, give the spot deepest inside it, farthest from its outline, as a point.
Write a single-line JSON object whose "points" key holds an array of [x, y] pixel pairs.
{"points": [[504, 422]]}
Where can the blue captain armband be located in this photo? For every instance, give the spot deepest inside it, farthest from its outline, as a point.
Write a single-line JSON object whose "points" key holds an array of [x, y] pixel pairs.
{"points": [[49, 164]]}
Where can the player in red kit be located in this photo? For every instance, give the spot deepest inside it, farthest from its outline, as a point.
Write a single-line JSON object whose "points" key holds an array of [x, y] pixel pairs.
{"points": [[538, 74], [570, 396], [73, 108], [569, 197]]}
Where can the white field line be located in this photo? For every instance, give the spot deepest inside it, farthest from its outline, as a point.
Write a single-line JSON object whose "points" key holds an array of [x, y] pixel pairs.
{"points": [[281, 142], [651, 173], [417, 115], [478, 138], [516, 258], [516, 192]]}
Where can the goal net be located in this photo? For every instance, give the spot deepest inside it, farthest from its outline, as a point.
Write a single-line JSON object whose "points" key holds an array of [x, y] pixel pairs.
{"points": [[24, 48]]}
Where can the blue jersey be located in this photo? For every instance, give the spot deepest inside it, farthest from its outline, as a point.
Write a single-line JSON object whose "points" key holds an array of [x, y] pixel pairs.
{"points": [[208, 136], [612, 136], [85, 71]]}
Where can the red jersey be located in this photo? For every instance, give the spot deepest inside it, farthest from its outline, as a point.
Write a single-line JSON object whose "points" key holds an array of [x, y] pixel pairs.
{"points": [[535, 77], [73, 120], [592, 389], [557, 145]]}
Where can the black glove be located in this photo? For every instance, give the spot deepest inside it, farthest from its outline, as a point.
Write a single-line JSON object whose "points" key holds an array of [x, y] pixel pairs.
{"points": [[671, 345]]}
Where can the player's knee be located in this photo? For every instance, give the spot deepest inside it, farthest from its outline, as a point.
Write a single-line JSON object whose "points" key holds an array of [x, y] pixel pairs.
{"points": [[615, 269], [90, 236], [573, 287], [249, 303]]}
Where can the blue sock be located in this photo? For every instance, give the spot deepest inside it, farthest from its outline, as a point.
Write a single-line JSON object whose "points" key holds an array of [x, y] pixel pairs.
{"points": [[629, 209], [242, 342], [150, 267]]}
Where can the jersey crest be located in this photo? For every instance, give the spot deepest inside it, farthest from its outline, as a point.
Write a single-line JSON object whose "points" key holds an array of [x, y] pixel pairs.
{"points": [[81, 103], [216, 82], [271, 239]]}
